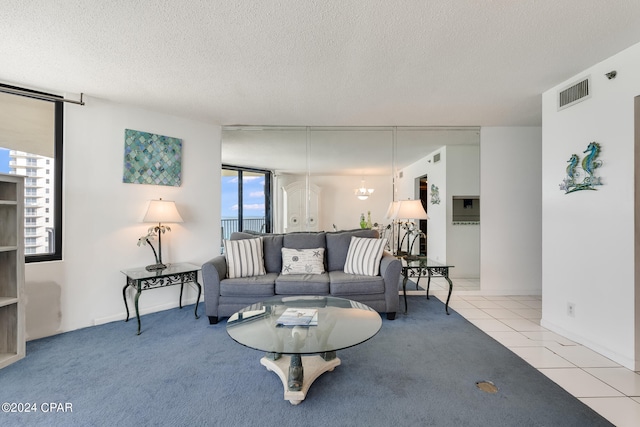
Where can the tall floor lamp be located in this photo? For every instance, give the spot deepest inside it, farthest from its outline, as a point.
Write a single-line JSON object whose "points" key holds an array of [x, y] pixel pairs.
{"points": [[160, 211], [409, 210]]}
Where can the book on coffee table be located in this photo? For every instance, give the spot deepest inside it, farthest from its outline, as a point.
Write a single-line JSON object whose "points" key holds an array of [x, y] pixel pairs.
{"points": [[298, 317]]}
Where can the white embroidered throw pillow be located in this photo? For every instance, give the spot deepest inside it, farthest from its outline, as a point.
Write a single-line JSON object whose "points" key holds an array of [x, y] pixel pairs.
{"points": [[364, 256], [244, 258], [302, 261]]}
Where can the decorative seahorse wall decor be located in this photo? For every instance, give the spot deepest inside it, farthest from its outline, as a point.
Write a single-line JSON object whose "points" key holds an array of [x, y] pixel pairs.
{"points": [[573, 162], [435, 195], [590, 163]]}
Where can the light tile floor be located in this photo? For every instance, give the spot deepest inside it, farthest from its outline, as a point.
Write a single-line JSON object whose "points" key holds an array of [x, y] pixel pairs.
{"points": [[514, 321]]}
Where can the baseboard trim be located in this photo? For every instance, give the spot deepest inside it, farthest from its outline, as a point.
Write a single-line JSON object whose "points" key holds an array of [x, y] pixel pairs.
{"points": [[616, 357], [147, 310]]}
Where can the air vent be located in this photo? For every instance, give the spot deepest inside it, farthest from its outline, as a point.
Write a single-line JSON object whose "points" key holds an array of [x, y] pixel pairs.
{"points": [[573, 94], [436, 158]]}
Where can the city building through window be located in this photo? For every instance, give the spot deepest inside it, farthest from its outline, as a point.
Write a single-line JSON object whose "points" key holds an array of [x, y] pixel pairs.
{"points": [[31, 146]]}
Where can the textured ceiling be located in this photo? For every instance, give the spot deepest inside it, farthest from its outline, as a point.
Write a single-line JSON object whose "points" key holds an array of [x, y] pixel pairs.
{"points": [[323, 62]]}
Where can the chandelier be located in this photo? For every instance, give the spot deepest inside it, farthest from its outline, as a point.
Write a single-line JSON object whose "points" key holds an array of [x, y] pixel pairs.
{"points": [[363, 192]]}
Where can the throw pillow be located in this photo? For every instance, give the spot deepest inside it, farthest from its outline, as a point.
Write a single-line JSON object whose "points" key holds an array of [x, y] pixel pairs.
{"points": [[302, 261], [244, 258], [364, 255]]}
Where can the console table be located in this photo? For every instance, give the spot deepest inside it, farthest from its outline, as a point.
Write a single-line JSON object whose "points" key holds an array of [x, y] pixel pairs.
{"points": [[175, 274], [418, 266]]}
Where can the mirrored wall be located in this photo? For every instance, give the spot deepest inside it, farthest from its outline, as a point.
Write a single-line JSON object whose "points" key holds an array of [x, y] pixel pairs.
{"points": [[317, 170]]}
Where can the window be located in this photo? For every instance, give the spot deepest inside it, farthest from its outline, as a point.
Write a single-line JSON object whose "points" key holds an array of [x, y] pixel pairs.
{"points": [[246, 200], [30, 138]]}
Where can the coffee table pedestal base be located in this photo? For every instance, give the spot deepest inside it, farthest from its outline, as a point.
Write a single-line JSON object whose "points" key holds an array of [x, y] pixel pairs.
{"points": [[313, 367]]}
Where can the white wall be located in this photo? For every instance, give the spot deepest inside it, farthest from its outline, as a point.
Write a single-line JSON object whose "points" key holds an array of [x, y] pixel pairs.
{"points": [[463, 241], [340, 206], [588, 236], [457, 173], [510, 210], [338, 203], [437, 241], [102, 218]]}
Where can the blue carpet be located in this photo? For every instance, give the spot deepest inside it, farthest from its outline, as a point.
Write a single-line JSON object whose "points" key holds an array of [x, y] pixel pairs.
{"points": [[419, 370]]}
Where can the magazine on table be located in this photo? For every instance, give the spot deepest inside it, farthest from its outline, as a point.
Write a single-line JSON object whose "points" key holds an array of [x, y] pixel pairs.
{"points": [[299, 317]]}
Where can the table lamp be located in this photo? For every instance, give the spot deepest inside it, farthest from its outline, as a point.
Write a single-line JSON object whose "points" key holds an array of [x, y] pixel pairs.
{"points": [[407, 210], [160, 211]]}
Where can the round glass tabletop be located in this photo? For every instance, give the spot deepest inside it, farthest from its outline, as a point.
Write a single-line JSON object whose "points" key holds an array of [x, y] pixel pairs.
{"points": [[311, 324]]}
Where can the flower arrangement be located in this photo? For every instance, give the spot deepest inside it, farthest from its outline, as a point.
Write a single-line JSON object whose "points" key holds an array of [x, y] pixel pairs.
{"points": [[151, 234]]}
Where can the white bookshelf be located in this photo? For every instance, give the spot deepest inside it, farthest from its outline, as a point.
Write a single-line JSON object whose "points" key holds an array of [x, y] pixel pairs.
{"points": [[12, 320]]}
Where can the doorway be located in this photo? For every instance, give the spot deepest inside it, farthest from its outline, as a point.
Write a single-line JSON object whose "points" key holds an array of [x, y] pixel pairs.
{"points": [[424, 197]]}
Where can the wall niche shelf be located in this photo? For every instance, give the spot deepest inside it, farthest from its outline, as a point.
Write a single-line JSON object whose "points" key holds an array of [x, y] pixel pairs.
{"points": [[12, 320]]}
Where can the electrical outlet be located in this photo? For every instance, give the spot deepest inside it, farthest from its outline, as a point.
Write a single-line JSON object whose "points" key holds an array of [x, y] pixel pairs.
{"points": [[571, 309]]}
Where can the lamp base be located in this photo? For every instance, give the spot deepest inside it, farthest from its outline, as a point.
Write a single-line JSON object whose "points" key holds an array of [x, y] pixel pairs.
{"points": [[154, 267]]}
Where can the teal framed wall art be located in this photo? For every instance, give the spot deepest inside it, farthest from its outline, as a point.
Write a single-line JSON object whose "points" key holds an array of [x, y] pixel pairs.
{"points": [[152, 159]]}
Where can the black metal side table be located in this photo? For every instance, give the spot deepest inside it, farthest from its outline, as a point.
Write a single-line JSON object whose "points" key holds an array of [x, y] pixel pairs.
{"points": [[417, 266], [175, 274]]}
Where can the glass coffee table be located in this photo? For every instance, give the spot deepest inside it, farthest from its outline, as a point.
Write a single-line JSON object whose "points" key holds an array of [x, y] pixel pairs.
{"points": [[299, 354]]}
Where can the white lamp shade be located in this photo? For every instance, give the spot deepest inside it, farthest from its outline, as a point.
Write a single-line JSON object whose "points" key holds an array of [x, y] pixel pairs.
{"points": [[411, 209], [162, 211], [393, 210]]}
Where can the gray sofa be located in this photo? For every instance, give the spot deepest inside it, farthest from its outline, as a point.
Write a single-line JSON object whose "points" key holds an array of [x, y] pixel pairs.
{"points": [[224, 296]]}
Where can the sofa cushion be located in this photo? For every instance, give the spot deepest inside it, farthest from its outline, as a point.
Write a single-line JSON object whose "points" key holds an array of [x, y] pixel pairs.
{"points": [[258, 286], [363, 256], [302, 284], [338, 245], [302, 261], [271, 246], [355, 284], [244, 258], [304, 240]]}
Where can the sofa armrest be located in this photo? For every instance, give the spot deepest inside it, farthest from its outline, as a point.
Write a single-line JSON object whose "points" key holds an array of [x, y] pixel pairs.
{"points": [[390, 269], [213, 271]]}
